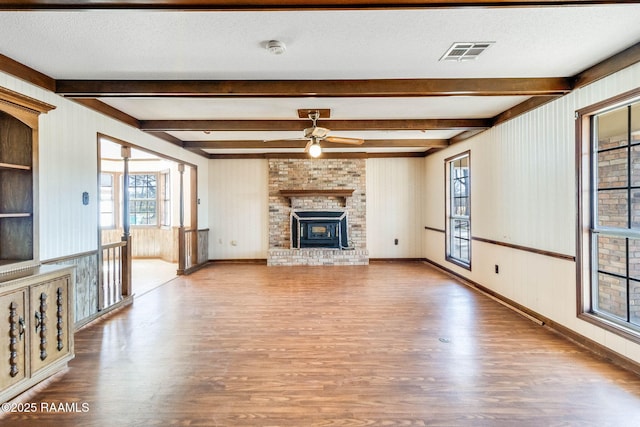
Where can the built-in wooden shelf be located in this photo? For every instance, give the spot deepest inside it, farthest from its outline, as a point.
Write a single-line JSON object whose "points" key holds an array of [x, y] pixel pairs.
{"points": [[10, 166], [340, 192], [15, 215]]}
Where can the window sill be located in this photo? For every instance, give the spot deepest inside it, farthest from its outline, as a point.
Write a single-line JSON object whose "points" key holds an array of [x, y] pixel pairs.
{"points": [[613, 327], [459, 263]]}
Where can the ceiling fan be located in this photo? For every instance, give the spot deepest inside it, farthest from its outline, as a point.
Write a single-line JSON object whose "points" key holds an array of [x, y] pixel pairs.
{"points": [[315, 134]]}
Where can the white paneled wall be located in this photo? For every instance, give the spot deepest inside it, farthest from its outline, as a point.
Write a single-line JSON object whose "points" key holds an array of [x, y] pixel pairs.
{"points": [[69, 165], [523, 182], [524, 193], [238, 202], [395, 204], [239, 206]]}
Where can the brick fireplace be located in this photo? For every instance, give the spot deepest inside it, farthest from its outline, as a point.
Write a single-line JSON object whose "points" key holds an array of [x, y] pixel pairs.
{"points": [[317, 186]]}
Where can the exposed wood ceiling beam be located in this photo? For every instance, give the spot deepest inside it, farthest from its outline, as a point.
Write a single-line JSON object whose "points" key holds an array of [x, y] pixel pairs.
{"points": [[369, 143], [25, 73], [299, 125], [97, 105], [542, 90], [167, 137], [325, 155], [609, 66], [172, 139], [224, 5], [463, 136], [315, 88], [523, 107]]}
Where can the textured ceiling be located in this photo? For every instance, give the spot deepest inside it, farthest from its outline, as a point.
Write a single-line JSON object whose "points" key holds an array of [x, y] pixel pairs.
{"points": [[322, 45], [537, 42]]}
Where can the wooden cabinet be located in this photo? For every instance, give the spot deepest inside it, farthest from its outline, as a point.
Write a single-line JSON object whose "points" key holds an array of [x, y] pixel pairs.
{"points": [[16, 190], [49, 339], [36, 309], [18, 185], [36, 326], [13, 350]]}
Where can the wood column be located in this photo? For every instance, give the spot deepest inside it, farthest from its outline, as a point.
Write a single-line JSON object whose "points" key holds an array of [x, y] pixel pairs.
{"points": [[126, 226], [193, 217], [181, 237]]}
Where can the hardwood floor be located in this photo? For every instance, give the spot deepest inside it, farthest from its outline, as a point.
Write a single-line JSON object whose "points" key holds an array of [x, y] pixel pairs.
{"points": [[391, 344]]}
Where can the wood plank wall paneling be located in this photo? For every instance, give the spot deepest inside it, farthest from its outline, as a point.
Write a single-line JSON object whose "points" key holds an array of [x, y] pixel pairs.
{"points": [[395, 205], [151, 242], [238, 201], [85, 283], [68, 167], [523, 194], [203, 246], [395, 199]]}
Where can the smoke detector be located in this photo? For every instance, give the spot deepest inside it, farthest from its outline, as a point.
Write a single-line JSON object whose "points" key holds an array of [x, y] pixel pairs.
{"points": [[275, 47]]}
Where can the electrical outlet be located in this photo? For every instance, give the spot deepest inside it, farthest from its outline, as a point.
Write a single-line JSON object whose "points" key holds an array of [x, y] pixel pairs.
{"points": [[497, 269]]}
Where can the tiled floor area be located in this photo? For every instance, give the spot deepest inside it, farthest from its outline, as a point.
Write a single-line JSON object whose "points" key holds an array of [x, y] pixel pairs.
{"points": [[149, 273]]}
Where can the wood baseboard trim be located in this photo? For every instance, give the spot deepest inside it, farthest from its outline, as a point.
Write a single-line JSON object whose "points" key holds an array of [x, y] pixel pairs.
{"points": [[101, 315], [239, 261], [395, 260], [584, 342], [194, 268]]}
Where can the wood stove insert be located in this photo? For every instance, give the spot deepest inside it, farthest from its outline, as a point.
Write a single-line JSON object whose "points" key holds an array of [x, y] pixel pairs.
{"points": [[319, 229]]}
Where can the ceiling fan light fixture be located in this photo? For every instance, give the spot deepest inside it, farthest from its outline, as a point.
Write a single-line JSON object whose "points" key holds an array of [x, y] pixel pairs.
{"points": [[275, 47], [315, 150]]}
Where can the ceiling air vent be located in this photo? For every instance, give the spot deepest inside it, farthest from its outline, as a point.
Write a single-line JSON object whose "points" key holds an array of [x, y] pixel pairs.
{"points": [[467, 51]]}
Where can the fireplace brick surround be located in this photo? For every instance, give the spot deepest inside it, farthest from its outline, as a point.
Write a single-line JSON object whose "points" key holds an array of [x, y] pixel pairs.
{"points": [[316, 174]]}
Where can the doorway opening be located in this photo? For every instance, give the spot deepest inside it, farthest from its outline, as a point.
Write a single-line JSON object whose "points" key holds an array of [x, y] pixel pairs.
{"points": [[157, 203]]}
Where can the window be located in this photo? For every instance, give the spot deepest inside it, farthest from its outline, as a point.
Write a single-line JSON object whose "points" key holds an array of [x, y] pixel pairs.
{"points": [[165, 199], [143, 199], [458, 210], [107, 205], [149, 199], [612, 135]]}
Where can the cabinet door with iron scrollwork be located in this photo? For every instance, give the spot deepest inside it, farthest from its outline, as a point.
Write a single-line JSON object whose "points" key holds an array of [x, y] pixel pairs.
{"points": [[12, 338], [49, 322]]}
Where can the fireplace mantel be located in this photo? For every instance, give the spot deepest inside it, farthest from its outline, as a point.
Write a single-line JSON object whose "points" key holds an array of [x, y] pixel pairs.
{"points": [[341, 192]]}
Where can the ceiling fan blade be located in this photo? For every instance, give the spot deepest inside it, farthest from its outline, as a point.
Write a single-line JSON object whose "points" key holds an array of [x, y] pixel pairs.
{"points": [[284, 140], [306, 148], [342, 140]]}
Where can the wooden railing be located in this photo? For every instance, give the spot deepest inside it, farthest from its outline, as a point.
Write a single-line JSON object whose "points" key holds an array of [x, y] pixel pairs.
{"points": [[192, 254], [113, 277], [188, 244]]}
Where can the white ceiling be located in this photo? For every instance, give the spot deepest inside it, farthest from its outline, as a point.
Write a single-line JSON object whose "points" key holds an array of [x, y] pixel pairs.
{"points": [[356, 44]]}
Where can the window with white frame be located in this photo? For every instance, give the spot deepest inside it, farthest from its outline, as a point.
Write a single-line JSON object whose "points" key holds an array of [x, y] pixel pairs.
{"points": [[611, 137], [107, 200], [143, 202], [458, 210], [165, 199]]}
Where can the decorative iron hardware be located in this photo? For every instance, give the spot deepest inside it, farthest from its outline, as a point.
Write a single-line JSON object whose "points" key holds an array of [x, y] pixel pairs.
{"points": [[60, 316], [13, 339], [41, 324], [21, 325]]}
